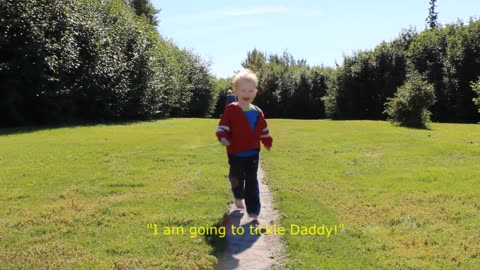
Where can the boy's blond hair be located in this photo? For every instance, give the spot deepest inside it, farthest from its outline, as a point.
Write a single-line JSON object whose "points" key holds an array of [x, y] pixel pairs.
{"points": [[245, 74]]}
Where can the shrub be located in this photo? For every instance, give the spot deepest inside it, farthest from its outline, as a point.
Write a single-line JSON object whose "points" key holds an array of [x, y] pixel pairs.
{"points": [[476, 87], [409, 107]]}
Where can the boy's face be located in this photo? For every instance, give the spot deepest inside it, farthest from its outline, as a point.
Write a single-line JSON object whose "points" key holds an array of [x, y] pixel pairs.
{"points": [[245, 91]]}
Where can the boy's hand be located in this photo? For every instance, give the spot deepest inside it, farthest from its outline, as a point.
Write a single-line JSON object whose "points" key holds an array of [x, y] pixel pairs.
{"points": [[225, 141]]}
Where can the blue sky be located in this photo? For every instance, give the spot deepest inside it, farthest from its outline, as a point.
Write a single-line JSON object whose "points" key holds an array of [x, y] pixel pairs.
{"points": [[321, 32]]}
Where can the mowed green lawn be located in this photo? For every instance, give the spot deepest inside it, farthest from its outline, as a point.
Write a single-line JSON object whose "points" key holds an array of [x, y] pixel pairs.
{"points": [[81, 197], [408, 198]]}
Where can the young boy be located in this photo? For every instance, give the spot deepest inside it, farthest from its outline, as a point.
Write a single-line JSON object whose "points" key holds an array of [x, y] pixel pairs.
{"points": [[241, 129]]}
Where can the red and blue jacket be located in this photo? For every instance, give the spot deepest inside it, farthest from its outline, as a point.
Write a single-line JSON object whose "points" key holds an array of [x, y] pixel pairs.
{"points": [[234, 127]]}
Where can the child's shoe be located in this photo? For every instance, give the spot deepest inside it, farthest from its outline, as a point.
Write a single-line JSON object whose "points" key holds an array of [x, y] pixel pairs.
{"points": [[239, 203]]}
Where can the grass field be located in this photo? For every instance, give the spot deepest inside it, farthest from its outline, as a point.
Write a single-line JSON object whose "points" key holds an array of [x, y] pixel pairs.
{"points": [[81, 197]]}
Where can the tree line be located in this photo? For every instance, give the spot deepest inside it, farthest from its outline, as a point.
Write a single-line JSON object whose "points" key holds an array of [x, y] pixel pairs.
{"points": [[70, 61], [437, 68]]}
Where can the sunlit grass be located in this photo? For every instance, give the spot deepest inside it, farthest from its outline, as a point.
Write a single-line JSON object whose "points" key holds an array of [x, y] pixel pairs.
{"points": [[408, 198]]}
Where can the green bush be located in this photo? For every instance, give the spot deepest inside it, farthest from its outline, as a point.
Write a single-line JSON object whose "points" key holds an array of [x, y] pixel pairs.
{"points": [[476, 88], [409, 106]]}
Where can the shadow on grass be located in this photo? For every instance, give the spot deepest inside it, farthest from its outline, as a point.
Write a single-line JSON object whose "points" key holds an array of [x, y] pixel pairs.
{"points": [[34, 128], [426, 128], [215, 240]]}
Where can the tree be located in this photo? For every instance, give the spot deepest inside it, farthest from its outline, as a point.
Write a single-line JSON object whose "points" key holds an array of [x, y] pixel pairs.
{"points": [[462, 66], [427, 56], [145, 8], [432, 15], [255, 60], [299, 103], [219, 92], [357, 92]]}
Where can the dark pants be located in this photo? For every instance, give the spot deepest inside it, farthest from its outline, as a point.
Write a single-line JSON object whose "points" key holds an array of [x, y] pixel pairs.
{"points": [[243, 178]]}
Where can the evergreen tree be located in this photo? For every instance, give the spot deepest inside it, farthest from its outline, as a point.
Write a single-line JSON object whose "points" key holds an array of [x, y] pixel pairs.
{"points": [[432, 15]]}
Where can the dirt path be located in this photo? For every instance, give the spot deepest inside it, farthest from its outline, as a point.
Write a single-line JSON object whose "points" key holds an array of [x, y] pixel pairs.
{"points": [[252, 251]]}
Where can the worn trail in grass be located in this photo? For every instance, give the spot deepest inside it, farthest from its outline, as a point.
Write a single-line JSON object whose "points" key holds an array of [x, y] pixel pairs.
{"points": [[255, 248]]}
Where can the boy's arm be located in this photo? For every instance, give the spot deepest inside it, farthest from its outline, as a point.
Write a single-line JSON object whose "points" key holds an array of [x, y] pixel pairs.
{"points": [[223, 130], [266, 138]]}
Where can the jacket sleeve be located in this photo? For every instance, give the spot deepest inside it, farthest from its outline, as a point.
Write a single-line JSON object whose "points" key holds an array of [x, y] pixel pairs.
{"points": [[224, 126], [266, 138]]}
